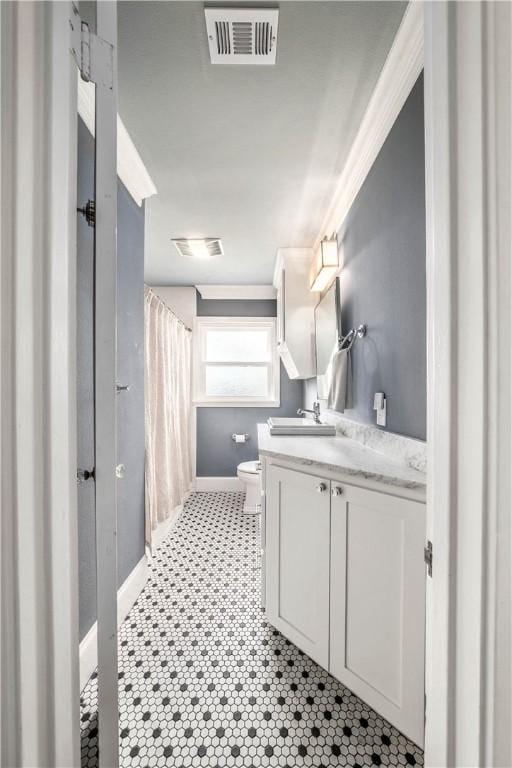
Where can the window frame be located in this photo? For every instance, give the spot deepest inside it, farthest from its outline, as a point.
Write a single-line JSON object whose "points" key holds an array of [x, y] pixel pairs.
{"points": [[201, 327]]}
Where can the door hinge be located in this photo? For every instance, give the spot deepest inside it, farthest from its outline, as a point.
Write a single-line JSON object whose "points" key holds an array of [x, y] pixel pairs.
{"points": [[93, 55], [428, 557], [82, 475], [88, 211]]}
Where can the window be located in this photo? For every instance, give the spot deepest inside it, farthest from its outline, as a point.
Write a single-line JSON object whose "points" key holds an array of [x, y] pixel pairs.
{"points": [[236, 361]]}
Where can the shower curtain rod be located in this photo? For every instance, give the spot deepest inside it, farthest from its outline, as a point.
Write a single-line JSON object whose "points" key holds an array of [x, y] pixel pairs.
{"points": [[149, 291]]}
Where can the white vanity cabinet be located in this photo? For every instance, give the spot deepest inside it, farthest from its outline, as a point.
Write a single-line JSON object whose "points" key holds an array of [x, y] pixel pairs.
{"points": [[377, 602], [345, 581], [297, 513]]}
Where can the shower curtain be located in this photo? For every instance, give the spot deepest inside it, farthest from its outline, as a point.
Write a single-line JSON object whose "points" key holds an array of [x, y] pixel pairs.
{"points": [[167, 381]]}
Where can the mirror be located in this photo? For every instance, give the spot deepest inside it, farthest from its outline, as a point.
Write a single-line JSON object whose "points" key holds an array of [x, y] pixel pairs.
{"points": [[326, 336]]}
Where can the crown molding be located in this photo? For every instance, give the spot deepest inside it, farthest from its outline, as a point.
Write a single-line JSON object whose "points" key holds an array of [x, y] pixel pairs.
{"points": [[397, 78], [240, 292], [130, 168], [288, 253]]}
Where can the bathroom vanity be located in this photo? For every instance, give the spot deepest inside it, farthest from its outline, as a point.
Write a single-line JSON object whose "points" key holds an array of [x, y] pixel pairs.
{"points": [[343, 532]]}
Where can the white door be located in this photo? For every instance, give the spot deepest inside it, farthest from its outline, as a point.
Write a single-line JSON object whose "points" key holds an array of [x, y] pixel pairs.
{"points": [[297, 559], [378, 603], [99, 66], [105, 292]]}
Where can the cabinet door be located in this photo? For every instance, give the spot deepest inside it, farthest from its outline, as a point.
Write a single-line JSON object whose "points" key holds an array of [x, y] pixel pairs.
{"points": [[377, 631], [297, 559]]}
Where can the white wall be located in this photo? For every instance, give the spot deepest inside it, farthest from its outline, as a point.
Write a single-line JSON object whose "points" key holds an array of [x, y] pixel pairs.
{"points": [[182, 301]]}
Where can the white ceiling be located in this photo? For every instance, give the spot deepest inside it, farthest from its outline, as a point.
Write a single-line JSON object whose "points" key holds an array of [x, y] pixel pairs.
{"points": [[248, 154]]}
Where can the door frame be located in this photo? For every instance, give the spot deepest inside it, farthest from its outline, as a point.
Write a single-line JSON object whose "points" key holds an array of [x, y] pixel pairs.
{"points": [[40, 723], [39, 611], [468, 703], [105, 377], [468, 194]]}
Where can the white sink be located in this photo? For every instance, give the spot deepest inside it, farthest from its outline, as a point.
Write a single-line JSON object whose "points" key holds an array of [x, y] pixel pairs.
{"points": [[298, 426]]}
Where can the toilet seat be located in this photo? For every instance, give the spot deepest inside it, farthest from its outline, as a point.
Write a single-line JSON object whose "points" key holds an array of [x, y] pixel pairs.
{"points": [[251, 467]]}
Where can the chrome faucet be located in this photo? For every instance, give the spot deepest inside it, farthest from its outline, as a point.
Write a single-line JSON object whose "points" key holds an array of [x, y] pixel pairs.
{"points": [[315, 412]]}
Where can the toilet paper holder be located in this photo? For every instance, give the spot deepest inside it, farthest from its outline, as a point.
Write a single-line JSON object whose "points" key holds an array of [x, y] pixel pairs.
{"points": [[240, 438]]}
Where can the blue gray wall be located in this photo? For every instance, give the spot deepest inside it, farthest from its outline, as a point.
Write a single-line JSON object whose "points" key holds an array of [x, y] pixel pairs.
{"points": [[130, 370], [130, 361], [217, 454], [383, 282]]}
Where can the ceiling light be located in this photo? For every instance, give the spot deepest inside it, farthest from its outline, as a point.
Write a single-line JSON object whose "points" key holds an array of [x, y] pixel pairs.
{"points": [[327, 264], [199, 247]]}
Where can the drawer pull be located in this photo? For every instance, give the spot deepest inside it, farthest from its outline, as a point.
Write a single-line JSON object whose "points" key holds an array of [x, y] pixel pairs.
{"points": [[321, 487], [337, 490]]}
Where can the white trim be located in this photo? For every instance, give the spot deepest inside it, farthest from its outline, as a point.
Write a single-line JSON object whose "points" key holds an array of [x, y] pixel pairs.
{"points": [[39, 607], [164, 528], [399, 73], [130, 167], [239, 292], [105, 410], [468, 49], [285, 254], [201, 399], [127, 594], [226, 484]]}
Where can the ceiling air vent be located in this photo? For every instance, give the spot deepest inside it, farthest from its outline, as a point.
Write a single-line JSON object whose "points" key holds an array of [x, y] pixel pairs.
{"points": [[199, 248], [242, 35]]}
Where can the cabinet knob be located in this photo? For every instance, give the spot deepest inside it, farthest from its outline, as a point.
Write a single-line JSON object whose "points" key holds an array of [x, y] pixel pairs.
{"points": [[337, 490], [321, 487]]}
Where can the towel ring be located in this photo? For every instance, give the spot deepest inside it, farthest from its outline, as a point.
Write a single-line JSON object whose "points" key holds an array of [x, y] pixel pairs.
{"points": [[352, 335]]}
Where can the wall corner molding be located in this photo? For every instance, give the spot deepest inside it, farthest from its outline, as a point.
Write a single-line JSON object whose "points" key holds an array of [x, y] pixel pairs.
{"points": [[397, 78], [294, 253], [127, 594], [130, 167], [237, 292]]}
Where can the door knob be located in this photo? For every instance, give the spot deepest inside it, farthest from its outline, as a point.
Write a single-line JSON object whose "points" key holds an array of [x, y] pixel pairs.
{"points": [[120, 471], [337, 490], [321, 487]]}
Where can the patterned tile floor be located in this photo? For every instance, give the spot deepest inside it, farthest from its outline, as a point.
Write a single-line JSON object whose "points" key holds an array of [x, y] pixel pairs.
{"points": [[204, 680]]}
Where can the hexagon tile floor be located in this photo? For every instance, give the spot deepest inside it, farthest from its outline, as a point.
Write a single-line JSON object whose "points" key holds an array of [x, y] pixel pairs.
{"points": [[204, 680]]}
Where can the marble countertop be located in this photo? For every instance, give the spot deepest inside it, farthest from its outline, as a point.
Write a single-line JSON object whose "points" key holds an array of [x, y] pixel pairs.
{"points": [[340, 454]]}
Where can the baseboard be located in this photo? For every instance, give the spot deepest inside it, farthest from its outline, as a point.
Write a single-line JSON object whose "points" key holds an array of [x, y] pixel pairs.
{"points": [[218, 484], [163, 530], [127, 594]]}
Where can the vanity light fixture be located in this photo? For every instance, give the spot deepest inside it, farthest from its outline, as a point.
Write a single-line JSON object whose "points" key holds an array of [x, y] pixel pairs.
{"points": [[327, 264], [199, 247]]}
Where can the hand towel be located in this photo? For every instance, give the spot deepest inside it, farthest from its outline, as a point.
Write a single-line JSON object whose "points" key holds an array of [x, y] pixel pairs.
{"points": [[340, 388]]}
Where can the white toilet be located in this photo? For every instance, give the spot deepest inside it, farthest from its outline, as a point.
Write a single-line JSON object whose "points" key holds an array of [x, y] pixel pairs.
{"points": [[249, 472]]}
